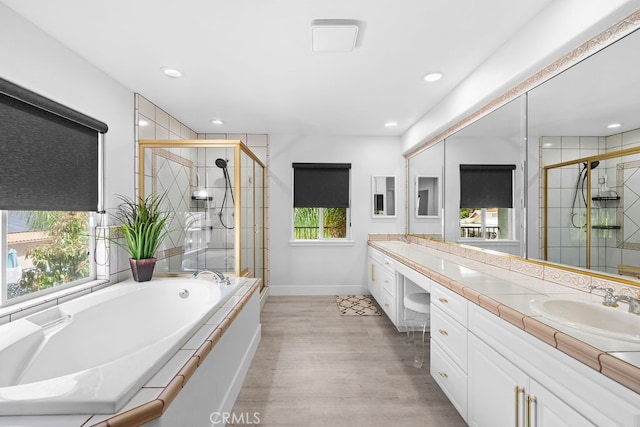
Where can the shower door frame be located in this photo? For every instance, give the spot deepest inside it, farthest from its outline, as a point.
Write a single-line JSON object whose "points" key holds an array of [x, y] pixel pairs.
{"points": [[238, 147], [588, 160]]}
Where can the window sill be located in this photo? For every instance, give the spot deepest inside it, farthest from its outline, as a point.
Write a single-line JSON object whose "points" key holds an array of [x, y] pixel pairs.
{"points": [[326, 242]]}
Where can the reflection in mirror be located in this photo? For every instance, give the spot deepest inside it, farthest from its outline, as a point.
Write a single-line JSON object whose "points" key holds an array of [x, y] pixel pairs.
{"points": [[216, 191], [427, 164], [427, 196], [584, 223], [383, 189], [492, 143]]}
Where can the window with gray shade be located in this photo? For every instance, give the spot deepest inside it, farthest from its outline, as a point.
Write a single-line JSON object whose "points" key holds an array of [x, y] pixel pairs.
{"points": [[321, 185], [486, 186], [49, 153]]}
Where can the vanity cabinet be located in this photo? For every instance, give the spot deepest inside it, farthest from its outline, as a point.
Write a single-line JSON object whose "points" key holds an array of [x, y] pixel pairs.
{"points": [[449, 345], [501, 394], [382, 284], [514, 376]]}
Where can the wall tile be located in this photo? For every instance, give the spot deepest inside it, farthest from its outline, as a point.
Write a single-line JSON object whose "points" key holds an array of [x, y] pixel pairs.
{"points": [[146, 108]]}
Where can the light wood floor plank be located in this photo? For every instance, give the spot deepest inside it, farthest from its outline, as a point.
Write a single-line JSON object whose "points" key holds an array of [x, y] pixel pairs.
{"points": [[315, 368]]}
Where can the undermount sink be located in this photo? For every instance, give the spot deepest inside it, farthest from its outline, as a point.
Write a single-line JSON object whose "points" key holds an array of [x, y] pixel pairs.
{"points": [[590, 317]]}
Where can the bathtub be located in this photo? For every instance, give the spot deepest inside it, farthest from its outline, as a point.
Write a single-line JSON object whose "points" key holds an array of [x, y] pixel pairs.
{"points": [[92, 354]]}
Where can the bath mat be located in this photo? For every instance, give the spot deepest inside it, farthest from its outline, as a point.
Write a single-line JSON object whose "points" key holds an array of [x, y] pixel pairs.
{"points": [[356, 305]]}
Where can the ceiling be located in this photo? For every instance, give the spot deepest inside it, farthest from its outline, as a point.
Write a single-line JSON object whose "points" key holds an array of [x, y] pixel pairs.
{"points": [[250, 62]]}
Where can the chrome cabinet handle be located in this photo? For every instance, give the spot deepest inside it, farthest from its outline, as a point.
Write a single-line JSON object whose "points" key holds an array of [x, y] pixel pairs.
{"points": [[443, 332], [443, 374], [443, 300]]}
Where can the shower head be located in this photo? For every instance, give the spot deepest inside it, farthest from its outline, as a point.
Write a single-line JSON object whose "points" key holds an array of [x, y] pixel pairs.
{"points": [[593, 164], [221, 163]]}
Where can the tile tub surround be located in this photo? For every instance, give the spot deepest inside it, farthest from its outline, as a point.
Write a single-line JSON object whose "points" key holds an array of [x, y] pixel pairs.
{"points": [[155, 397], [507, 292]]}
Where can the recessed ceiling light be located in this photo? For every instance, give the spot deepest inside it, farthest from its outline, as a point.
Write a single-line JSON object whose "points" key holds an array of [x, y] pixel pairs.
{"points": [[432, 77], [614, 125], [391, 124], [217, 122], [171, 72]]}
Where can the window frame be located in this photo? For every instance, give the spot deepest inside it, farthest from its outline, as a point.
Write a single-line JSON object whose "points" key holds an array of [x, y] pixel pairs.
{"points": [[4, 285], [483, 228], [338, 241]]}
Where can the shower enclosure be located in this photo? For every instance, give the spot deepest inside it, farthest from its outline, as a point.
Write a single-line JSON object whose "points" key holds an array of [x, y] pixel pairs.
{"points": [[215, 191], [591, 212]]}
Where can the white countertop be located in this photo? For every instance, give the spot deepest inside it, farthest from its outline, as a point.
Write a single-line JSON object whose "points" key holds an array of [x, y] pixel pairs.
{"points": [[512, 289]]}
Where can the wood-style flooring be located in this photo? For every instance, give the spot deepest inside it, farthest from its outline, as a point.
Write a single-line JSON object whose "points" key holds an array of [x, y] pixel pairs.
{"points": [[316, 368]]}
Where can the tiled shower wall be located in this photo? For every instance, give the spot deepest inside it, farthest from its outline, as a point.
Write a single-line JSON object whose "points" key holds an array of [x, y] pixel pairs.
{"points": [[566, 238], [152, 122]]}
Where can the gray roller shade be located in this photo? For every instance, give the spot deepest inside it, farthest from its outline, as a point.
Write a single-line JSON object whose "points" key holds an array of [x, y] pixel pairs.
{"points": [[486, 186], [321, 185], [48, 153]]}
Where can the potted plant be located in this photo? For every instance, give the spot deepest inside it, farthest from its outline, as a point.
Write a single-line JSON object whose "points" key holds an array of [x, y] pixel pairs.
{"points": [[142, 224]]}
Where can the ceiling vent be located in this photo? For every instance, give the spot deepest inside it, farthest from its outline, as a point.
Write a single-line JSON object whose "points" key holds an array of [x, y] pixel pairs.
{"points": [[334, 35]]}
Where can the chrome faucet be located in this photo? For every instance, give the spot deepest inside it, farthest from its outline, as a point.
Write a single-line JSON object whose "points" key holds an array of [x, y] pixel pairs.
{"points": [[219, 277], [634, 303], [611, 300]]}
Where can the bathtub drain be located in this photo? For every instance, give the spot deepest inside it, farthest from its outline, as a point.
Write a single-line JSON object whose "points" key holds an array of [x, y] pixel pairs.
{"points": [[183, 293]]}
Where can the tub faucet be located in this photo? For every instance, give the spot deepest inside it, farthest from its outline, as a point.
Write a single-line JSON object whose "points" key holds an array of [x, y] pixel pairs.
{"points": [[219, 277]]}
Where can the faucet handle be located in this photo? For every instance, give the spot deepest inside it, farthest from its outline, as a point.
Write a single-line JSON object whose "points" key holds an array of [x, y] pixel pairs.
{"points": [[609, 298], [597, 288]]}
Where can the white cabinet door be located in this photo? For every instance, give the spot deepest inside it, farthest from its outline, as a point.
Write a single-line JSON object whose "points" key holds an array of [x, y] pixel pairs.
{"points": [[496, 388], [544, 409]]}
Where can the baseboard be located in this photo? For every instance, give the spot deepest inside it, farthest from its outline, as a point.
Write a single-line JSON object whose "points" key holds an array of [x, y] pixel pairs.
{"points": [[319, 290]]}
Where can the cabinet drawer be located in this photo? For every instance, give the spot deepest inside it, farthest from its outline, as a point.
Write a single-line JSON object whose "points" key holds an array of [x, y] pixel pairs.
{"points": [[450, 335], [451, 379], [449, 302], [384, 260], [388, 304], [388, 281]]}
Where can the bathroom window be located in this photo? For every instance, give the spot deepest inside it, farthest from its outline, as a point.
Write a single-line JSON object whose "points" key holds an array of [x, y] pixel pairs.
{"points": [[50, 181], [486, 201], [321, 195], [45, 251]]}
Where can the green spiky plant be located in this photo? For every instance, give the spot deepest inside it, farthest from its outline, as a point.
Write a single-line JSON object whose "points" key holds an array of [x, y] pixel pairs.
{"points": [[142, 224]]}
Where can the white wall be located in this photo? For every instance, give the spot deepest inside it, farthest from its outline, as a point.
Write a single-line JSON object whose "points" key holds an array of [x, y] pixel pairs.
{"points": [[32, 59], [327, 270]]}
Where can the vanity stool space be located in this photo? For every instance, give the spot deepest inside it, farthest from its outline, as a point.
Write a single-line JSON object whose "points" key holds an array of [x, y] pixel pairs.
{"points": [[389, 281]]}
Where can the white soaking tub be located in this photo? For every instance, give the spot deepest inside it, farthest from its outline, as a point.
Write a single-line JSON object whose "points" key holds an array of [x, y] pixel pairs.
{"points": [[92, 354]]}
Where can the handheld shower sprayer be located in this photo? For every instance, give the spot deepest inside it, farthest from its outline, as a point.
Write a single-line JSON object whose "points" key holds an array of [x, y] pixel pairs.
{"points": [[222, 164]]}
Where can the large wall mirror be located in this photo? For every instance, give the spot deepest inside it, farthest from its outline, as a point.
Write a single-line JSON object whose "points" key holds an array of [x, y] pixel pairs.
{"points": [[585, 126], [426, 171], [566, 135]]}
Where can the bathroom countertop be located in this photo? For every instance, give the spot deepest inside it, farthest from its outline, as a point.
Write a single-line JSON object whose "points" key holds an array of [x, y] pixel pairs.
{"points": [[507, 293]]}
